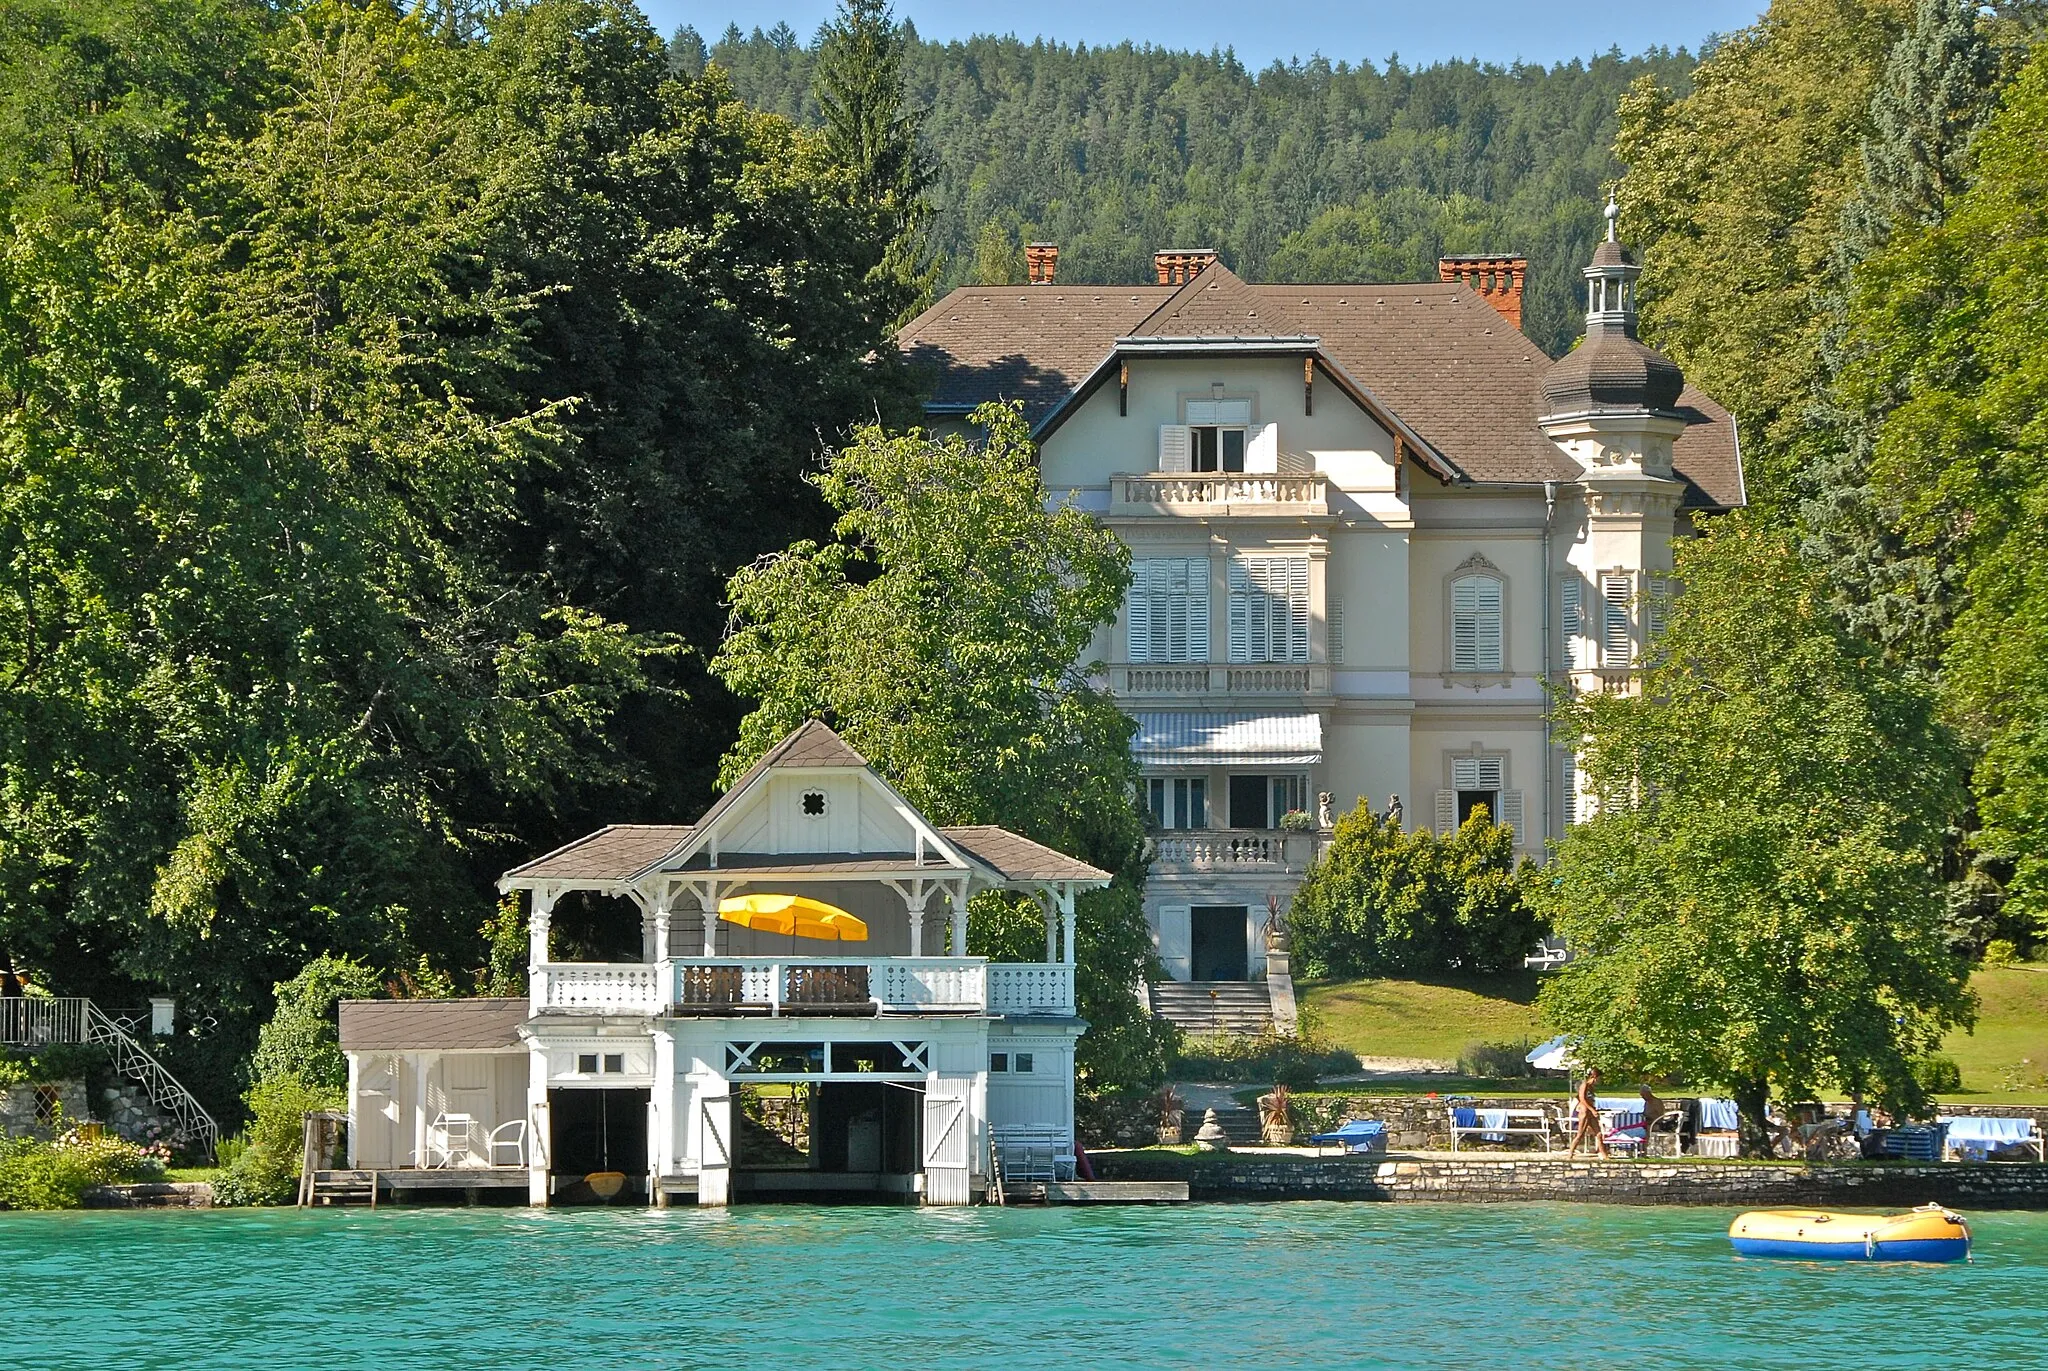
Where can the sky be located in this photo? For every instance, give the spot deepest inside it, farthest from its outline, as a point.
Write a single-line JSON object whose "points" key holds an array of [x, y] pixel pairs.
{"points": [[1503, 31]]}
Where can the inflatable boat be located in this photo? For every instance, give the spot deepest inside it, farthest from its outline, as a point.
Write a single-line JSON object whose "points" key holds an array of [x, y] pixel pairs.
{"points": [[1927, 1234]]}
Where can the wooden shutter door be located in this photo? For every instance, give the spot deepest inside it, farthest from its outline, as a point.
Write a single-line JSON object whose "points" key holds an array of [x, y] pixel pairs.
{"points": [[1262, 448], [1240, 612], [714, 1150], [1296, 571], [1173, 447], [1511, 810], [1447, 811]]}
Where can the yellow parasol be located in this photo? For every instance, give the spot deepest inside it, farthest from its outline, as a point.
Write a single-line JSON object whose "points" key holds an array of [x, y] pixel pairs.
{"points": [[795, 915]]}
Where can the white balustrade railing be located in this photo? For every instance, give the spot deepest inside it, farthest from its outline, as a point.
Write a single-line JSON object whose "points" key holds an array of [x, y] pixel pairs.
{"points": [[1222, 850], [32, 1021], [599, 987], [910, 984], [1221, 488], [1030, 988]]}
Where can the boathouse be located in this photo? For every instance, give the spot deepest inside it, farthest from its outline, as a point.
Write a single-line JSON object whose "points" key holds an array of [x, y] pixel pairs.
{"points": [[802, 1017]]}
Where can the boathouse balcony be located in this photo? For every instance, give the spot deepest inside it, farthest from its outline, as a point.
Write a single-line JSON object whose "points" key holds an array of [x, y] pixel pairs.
{"points": [[775, 987]]}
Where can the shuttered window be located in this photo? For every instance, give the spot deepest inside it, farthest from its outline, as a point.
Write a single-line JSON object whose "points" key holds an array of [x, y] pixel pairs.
{"points": [[1333, 628], [1167, 617], [1477, 773], [1617, 646], [1574, 624], [1656, 609], [1475, 624], [1569, 789], [1269, 609]]}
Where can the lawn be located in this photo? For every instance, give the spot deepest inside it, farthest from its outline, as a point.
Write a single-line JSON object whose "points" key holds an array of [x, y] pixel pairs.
{"points": [[2006, 1059]]}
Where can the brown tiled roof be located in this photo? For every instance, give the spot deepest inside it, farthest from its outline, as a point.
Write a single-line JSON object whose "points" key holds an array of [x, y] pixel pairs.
{"points": [[742, 865], [428, 1025], [615, 852], [1028, 343], [1017, 858], [813, 743], [1440, 359], [1216, 303]]}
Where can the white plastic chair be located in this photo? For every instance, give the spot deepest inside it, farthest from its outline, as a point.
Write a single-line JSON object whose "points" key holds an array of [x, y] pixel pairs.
{"points": [[449, 1138], [512, 1135]]}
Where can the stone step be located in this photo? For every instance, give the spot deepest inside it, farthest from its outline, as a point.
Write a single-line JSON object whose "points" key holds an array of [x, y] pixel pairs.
{"points": [[1243, 1007]]}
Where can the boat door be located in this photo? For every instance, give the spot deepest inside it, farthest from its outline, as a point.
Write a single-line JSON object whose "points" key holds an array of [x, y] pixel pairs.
{"points": [[946, 1129], [714, 1175]]}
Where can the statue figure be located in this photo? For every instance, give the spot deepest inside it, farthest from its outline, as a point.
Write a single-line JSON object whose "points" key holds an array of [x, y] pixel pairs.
{"points": [[1323, 820], [1394, 810]]}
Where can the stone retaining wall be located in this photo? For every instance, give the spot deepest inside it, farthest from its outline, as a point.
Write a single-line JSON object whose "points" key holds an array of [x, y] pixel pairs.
{"points": [[151, 1195], [1290, 1176], [19, 1107], [125, 1109]]}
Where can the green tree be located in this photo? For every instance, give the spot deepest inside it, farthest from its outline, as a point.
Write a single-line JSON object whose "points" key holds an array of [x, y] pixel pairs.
{"points": [[998, 256], [1939, 84], [1756, 900], [945, 633], [871, 129], [1383, 902], [302, 1039], [1945, 338], [1735, 194]]}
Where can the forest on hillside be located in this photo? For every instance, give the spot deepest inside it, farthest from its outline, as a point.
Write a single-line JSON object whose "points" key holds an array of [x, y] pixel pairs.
{"points": [[1305, 171]]}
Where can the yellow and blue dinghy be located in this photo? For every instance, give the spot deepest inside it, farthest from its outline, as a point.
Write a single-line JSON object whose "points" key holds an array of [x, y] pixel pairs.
{"points": [[1927, 1234]]}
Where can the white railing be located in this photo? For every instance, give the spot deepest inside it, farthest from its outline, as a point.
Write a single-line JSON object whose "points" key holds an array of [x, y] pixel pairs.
{"points": [[1030, 988], [1308, 678], [598, 987], [1173, 680], [1158, 489], [910, 984], [36, 1022], [1222, 850], [1266, 679]]}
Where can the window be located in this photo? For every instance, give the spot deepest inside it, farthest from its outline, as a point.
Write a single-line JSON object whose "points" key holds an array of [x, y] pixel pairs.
{"points": [[814, 804], [1333, 628], [614, 1063], [1617, 646], [586, 1063], [1475, 624], [1022, 1063], [596, 1063], [1269, 609], [1168, 610], [998, 1061], [1178, 801], [1569, 789], [1214, 448], [1289, 793], [1478, 781], [1657, 609]]}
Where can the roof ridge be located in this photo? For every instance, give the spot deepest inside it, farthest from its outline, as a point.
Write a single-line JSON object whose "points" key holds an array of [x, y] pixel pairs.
{"points": [[1213, 296]]}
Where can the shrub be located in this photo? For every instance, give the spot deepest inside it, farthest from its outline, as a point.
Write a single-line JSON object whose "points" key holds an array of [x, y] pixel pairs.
{"points": [[1496, 1061], [262, 1167], [56, 1175], [13, 1071], [1937, 1074], [302, 1039], [1266, 1057], [1381, 901], [69, 1062], [2001, 952]]}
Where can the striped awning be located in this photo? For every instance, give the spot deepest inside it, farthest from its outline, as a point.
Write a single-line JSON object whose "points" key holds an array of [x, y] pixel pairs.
{"points": [[1242, 738]]}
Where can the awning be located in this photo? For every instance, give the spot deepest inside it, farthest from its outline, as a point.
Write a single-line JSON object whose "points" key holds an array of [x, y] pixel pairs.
{"points": [[1242, 738]]}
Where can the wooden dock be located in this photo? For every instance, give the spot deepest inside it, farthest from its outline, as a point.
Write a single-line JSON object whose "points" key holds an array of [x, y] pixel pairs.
{"points": [[368, 1187], [1095, 1192]]}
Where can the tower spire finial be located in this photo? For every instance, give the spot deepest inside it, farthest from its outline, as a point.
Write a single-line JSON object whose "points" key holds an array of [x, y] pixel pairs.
{"points": [[1613, 212]]}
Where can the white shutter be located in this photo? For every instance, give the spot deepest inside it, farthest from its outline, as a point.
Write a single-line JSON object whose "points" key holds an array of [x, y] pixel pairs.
{"points": [[1173, 447], [1477, 773], [1446, 811], [1333, 629], [1138, 613], [1569, 789], [1511, 810], [1475, 624], [1574, 618], [1262, 448], [1240, 612], [1655, 611], [1616, 647], [1198, 609]]}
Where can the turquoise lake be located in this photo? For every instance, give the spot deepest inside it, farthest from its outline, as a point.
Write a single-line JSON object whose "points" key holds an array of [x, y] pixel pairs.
{"points": [[1311, 1285]]}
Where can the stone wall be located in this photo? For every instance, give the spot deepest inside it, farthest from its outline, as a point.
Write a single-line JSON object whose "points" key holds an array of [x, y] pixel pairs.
{"points": [[126, 1109], [1291, 1176], [20, 1105]]}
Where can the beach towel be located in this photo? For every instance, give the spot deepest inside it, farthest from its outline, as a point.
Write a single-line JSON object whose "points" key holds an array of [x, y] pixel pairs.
{"points": [[1719, 1115], [1464, 1117], [1494, 1119], [1989, 1132]]}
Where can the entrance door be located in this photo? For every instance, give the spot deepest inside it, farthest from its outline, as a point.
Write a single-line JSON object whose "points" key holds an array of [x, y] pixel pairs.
{"points": [[1217, 943], [945, 1144], [1248, 803], [714, 1175]]}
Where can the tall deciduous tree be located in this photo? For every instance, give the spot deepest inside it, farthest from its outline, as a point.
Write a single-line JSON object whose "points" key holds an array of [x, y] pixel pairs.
{"points": [[945, 632], [1756, 900]]}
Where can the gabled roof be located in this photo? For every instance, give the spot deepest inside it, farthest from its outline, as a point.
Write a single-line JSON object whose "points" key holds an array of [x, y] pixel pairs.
{"points": [[616, 852], [1017, 858], [1216, 303], [1441, 361]]}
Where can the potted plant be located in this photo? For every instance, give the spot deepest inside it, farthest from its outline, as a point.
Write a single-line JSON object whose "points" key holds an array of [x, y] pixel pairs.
{"points": [[1297, 821], [1276, 1117], [1171, 1109]]}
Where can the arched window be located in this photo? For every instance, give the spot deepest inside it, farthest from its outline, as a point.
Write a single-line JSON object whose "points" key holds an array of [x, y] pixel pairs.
{"points": [[1475, 623]]}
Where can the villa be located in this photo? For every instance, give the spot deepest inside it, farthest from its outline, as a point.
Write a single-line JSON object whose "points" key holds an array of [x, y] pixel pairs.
{"points": [[887, 1068], [1371, 527]]}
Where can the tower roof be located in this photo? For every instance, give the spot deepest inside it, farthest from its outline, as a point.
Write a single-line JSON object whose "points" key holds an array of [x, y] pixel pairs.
{"points": [[1612, 370]]}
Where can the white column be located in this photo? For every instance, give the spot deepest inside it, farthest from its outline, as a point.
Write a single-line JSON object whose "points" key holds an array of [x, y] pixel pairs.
{"points": [[1067, 920], [957, 897], [540, 913], [647, 953], [419, 1109], [662, 905], [1052, 927], [538, 1129], [707, 900]]}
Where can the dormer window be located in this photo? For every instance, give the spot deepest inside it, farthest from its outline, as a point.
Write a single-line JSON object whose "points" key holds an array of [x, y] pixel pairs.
{"points": [[1215, 448], [813, 804]]}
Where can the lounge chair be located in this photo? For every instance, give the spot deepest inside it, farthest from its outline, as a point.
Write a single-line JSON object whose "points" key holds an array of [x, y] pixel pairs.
{"points": [[1916, 1142], [1361, 1137], [1973, 1137]]}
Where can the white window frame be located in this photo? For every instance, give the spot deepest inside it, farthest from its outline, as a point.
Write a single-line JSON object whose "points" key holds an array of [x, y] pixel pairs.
{"points": [[1166, 611], [1178, 802], [1269, 608]]}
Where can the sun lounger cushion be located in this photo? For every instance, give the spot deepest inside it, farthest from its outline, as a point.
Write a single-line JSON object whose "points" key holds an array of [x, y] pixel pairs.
{"points": [[1719, 1115], [1989, 1132]]}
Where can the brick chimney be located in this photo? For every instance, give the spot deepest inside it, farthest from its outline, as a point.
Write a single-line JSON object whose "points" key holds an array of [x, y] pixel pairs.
{"points": [[1178, 266], [1041, 262], [1495, 278]]}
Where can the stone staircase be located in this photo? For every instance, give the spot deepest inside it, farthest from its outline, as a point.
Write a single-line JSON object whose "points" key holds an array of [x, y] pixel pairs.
{"points": [[1202, 1007]]}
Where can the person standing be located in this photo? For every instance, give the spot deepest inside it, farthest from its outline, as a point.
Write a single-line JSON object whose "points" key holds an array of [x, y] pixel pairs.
{"points": [[1589, 1117]]}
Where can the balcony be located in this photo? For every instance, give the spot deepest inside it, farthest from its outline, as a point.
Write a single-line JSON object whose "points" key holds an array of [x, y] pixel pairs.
{"points": [[780, 986], [1220, 494], [1232, 849], [1134, 681]]}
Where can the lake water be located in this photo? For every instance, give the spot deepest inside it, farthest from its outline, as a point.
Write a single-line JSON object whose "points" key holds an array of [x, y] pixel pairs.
{"points": [[1313, 1285]]}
